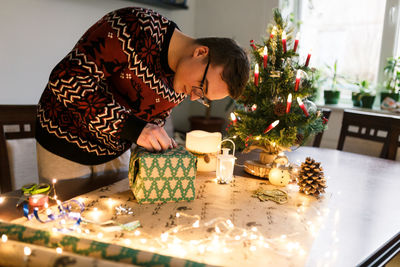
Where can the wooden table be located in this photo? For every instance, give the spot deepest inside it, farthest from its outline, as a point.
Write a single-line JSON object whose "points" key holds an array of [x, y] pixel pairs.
{"points": [[362, 200]]}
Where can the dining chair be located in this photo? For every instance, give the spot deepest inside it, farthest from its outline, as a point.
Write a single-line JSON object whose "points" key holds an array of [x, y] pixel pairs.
{"points": [[318, 138], [378, 127], [16, 122]]}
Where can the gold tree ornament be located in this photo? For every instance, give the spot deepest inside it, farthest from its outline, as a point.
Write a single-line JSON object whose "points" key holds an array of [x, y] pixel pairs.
{"points": [[311, 179]]}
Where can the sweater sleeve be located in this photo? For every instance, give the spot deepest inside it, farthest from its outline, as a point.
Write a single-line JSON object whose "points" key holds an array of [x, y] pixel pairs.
{"points": [[79, 81]]}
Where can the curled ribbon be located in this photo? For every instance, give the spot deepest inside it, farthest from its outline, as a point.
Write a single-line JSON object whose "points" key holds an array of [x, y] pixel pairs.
{"points": [[65, 212]]}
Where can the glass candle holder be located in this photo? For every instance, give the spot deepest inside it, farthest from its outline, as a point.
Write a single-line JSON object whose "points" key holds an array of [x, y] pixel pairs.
{"points": [[225, 164]]}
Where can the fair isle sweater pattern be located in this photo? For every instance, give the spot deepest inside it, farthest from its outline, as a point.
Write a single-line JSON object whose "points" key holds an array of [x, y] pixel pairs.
{"points": [[114, 81]]}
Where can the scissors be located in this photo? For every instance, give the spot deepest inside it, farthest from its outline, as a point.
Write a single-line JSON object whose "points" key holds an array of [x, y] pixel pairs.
{"points": [[33, 189]]}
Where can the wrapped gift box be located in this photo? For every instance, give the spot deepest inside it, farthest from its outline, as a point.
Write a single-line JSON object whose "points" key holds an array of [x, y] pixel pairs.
{"points": [[162, 177]]}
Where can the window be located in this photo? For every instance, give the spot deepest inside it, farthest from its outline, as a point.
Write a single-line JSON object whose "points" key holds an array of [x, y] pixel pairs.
{"points": [[349, 32]]}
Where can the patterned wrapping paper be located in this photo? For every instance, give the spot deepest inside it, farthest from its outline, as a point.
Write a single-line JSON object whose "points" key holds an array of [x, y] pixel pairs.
{"points": [[213, 201], [91, 248], [162, 177], [12, 255]]}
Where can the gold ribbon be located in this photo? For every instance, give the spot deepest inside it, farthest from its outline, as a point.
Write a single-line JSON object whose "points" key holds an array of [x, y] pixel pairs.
{"points": [[277, 195]]}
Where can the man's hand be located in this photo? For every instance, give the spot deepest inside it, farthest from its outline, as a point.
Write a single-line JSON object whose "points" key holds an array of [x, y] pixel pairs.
{"points": [[155, 138]]}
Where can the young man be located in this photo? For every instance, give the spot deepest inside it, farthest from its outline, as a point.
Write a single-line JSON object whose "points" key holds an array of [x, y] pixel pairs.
{"points": [[121, 80]]}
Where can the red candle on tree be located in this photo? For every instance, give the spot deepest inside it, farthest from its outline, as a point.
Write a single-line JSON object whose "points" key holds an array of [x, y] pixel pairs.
{"points": [[256, 73], [308, 59], [271, 126], [296, 86], [253, 45], [302, 106], [284, 41], [288, 103], [265, 56], [296, 42]]}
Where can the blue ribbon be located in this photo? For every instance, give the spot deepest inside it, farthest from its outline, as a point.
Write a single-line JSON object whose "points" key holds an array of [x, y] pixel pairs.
{"points": [[64, 213]]}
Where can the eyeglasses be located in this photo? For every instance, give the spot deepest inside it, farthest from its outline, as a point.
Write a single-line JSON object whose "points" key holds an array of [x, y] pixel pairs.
{"points": [[199, 90]]}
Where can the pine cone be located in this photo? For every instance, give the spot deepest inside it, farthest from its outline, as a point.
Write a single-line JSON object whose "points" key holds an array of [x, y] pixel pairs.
{"points": [[311, 178], [279, 109]]}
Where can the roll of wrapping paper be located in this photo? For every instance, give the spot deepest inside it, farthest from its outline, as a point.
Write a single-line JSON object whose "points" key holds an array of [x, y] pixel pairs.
{"points": [[90, 248], [12, 254]]}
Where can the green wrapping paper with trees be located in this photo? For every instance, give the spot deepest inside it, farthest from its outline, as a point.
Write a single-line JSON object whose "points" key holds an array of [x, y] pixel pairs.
{"points": [[162, 177]]}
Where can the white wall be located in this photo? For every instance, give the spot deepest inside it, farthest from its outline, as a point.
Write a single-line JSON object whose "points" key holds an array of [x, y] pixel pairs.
{"points": [[36, 35]]}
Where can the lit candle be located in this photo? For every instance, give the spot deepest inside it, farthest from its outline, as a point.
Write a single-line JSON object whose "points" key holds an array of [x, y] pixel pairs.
{"points": [[205, 144], [265, 56], [253, 107], [271, 126], [256, 73], [301, 104], [284, 41], [233, 117], [288, 103], [308, 59], [272, 32], [296, 86], [296, 42], [253, 45]]}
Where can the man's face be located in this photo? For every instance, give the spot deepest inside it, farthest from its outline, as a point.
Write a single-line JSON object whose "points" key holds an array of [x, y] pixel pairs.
{"points": [[189, 76]]}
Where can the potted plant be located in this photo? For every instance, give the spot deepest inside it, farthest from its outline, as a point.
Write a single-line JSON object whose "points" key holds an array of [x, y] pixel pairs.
{"points": [[332, 95], [392, 82], [364, 97], [317, 81]]}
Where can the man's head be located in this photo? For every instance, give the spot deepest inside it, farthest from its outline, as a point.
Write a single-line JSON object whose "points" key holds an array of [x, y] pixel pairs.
{"points": [[216, 66], [226, 53]]}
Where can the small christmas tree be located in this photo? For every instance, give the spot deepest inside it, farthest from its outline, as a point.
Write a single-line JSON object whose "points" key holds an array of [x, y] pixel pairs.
{"points": [[265, 116]]}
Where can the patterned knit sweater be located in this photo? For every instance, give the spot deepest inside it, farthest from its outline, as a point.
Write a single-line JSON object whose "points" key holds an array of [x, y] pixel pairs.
{"points": [[102, 94]]}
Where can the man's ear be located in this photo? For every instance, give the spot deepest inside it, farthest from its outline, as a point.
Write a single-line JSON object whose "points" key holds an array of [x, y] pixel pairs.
{"points": [[201, 51]]}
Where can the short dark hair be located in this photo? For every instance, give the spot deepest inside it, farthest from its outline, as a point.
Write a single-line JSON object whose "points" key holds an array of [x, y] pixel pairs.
{"points": [[227, 53]]}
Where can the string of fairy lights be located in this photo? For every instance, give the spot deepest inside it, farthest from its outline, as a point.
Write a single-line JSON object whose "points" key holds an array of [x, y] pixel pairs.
{"points": [[222, 235]]}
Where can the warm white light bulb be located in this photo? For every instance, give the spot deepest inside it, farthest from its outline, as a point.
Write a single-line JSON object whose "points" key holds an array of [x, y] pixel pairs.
{"points": [[59, 250], [256, 69], [2, 200], [4, 238], [54, 181], [27, 251], [233, 116], [265, 51], [164, 237], [299, 101], [298, 74], [289, 98]]}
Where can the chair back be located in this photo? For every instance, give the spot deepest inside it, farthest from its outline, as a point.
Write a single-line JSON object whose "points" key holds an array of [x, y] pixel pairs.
{"points": [[16, 122], [369, 124]]}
